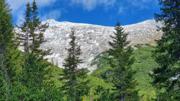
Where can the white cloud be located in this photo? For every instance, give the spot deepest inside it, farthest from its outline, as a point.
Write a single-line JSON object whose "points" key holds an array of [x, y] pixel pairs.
{"points": [[17, 7], [18, 4], [120, 4], [130, 5], [92, 4], [54, 14]]}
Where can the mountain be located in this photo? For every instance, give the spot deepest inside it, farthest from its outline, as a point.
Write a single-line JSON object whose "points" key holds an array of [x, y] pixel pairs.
{"points": [[93, 39]]}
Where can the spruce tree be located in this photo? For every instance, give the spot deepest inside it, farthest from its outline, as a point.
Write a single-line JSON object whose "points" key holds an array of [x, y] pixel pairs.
{"points": [[167, 53], [8, 54], [75, 83], [34, 66], [5, 40], [37, 31], [121, 61], [24, 37]]}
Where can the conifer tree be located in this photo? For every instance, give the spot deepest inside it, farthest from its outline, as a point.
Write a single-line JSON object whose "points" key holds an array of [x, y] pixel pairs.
{"points": [[5, 39], [167, 53], [25, 37], [74, 79], [37, 31], [34, 66], [121, 61], [8, 54]]}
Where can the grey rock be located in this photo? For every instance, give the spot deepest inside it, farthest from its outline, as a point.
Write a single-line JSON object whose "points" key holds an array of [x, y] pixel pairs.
{"points": [[93, 39]]}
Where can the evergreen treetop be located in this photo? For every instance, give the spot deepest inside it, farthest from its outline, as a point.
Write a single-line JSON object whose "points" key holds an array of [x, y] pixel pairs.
{"points": [[121, 61], [74, 79]]}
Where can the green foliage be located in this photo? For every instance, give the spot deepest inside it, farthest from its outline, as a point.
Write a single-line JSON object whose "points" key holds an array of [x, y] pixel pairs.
{"points": [[74, 79], [143, 64], [34, 67], [167, 53], [9, 55], [120, 59], [95, 83], [104, 94], [51, 84], [37, 30], [123, 74]]}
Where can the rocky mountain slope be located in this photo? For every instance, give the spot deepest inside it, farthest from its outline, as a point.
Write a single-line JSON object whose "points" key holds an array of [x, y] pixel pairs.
{"points": [[93, 39]]}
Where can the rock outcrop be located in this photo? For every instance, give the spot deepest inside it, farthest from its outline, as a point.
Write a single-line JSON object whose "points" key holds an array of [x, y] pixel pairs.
{"points": [[93, 39]]}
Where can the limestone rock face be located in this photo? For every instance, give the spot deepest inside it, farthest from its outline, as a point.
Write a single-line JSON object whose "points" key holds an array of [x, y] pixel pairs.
{"points": [[93, 39]]}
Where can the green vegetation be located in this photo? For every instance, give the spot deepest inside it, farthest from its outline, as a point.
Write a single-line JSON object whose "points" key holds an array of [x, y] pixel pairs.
{"points": [[141, 73], [167, 54], [121, 60], [143, 65], [9, 55], [75, 83]]}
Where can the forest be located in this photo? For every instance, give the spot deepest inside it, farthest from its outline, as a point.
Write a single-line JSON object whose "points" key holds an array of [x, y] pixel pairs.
{"points": [[124, 73]]}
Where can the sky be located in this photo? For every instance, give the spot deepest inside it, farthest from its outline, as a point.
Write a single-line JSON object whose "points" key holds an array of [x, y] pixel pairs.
{"points": [[100, 12]]}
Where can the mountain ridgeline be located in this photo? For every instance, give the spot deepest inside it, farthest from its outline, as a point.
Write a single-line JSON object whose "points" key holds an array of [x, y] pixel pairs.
{"points": [[93, 39]]}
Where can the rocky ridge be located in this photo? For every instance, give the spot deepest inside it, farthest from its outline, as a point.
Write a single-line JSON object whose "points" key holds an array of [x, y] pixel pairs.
{"points": [[93, 39]]}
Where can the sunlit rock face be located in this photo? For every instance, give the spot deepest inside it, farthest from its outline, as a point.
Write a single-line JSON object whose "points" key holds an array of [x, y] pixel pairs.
{"points": [[93, 39]]}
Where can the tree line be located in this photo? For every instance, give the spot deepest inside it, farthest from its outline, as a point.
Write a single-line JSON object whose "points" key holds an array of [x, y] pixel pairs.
{"points": [[25, 75]]}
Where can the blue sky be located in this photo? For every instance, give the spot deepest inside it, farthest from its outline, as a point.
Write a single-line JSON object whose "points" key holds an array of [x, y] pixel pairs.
{"points": [[101, 12]]}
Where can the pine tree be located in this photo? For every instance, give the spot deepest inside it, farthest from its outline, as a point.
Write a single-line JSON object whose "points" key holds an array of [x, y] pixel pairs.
{"points": [[74, 79], [8, 54], [167, 53], [121, 61]]}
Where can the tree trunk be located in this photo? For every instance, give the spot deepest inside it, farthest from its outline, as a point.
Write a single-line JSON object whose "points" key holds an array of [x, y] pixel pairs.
{"points": [[122, 98]]}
